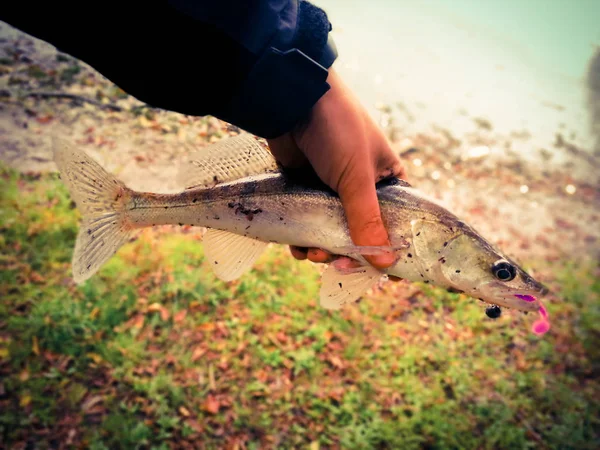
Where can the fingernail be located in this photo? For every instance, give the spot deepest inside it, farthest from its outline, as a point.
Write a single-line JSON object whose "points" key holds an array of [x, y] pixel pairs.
{"points": [[383, 260]]}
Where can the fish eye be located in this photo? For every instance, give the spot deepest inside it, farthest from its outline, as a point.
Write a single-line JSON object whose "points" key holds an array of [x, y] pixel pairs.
{"points": [[503, 270]]}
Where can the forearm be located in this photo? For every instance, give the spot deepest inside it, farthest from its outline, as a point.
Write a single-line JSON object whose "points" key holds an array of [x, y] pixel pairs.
{"points": [[196, 57]]}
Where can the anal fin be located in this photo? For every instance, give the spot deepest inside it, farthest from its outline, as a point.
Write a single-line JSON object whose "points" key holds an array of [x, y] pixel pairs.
{"points": [[341, 287], [229, 254]]}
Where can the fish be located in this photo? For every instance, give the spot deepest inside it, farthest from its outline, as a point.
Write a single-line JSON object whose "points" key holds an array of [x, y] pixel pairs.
{"points": [[237, 191]]}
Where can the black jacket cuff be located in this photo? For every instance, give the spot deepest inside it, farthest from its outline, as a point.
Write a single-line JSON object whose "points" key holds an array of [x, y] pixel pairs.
{"points": [[285, 83]]}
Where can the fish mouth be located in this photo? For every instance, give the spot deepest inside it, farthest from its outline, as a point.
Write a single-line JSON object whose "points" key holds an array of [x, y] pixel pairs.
{"points": [[526, 297], [522, 299], [529, 300]]}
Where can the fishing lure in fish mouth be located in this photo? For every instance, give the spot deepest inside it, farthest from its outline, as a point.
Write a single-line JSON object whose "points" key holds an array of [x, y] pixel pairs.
{"points": [[539, 327], [236, 190]]}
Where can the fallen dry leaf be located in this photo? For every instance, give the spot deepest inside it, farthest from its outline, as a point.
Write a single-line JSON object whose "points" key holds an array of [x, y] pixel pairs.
{"points": [[25, 400], [197, 353], [35, 346], [211, 405], [336, 362], [179, 316]]}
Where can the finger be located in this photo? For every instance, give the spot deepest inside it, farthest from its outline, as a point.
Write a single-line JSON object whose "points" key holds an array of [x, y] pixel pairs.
{"points": [[400, 170], [286, 151], [300, 253], [360, 203], [343, 263], [318, 255], [390, 166]]}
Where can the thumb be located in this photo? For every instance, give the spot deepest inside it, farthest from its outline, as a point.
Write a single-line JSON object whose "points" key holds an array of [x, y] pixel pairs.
{"points": [[286, 151], [359, 199]]}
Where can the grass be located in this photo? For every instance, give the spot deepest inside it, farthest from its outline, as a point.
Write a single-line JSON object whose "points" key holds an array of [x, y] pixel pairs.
{"points": [[155, 352]]}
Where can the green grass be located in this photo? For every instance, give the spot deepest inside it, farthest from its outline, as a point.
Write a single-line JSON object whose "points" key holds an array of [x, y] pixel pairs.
{"points": [[155, 352]]}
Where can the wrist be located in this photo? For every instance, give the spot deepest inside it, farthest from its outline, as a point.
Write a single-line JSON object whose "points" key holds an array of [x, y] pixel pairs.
{"points": [[323, 109]]}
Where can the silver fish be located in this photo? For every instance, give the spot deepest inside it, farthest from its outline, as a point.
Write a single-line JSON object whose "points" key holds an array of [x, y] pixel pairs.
{"points": [[235, 189]]}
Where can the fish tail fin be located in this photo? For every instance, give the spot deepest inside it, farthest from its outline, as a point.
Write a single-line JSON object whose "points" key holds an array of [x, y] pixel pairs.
{"points": [[102, 201]]}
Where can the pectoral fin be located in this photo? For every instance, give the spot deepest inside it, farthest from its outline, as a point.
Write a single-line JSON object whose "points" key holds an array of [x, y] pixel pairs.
{"points": [[229, 254], [339, 288]]}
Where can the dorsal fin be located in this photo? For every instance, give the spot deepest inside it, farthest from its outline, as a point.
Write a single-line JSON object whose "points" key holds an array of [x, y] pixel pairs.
{"points": [[226, 160]]}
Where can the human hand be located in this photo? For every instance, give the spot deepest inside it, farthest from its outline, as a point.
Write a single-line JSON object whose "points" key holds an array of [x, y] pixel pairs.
{"points": [[350, 153]]}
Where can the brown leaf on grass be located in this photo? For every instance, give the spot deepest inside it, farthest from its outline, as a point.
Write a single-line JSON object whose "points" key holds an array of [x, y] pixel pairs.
{"points": [[336, 362], [246, 361], [164, 314], [222, 329], [521, 361], [211, 405], [241, 347], [136, 322], [195, 425], [198, 353], [25, 401], [88, 405], [154, 307], [184, 411], [223, 363], [157, 307], [261, 375], [212, 384], [179, 316], [94, 313], [208, 326], [95, 357], [336, 394], [36, 277], [376, 345]]}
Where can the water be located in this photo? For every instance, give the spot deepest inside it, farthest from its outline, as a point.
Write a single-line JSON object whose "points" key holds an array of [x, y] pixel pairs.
{"points": [[519, 65]]}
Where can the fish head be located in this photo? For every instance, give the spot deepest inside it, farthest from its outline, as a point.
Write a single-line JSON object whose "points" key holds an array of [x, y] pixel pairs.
{"points": [[458, 258]]}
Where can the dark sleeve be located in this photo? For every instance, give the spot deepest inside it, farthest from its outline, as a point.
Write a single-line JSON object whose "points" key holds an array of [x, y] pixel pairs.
{"points": [[258, 64]]}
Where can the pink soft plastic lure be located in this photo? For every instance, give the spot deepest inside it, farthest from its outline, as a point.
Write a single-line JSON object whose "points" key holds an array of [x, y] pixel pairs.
{"points": [[542, 325]]}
